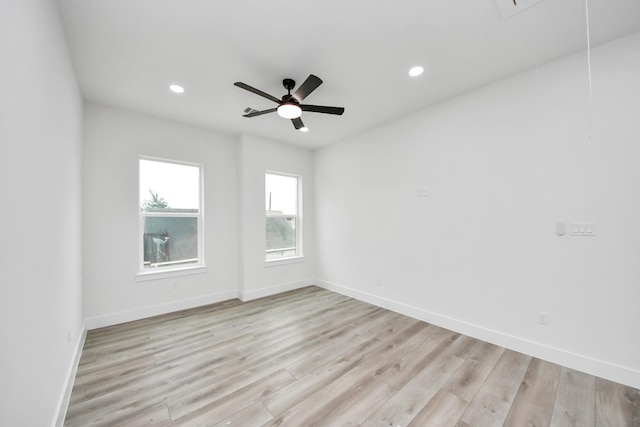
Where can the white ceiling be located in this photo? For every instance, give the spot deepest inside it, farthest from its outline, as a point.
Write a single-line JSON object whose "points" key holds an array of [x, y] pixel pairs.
{"points": [[127, 52]]}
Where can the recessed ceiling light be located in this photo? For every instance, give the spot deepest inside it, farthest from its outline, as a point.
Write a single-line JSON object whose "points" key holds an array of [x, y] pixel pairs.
{"points": [[304, 129], [416, 71], [176, 88]]}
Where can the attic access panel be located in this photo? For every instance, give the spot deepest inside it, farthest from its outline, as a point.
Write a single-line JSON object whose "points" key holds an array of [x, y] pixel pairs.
{"points": [[508, 8]]}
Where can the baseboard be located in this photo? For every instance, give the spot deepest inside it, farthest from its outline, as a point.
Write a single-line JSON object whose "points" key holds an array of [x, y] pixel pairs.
{"points": [[65, 396], [273, 290], [144, 312], [579, 362]]}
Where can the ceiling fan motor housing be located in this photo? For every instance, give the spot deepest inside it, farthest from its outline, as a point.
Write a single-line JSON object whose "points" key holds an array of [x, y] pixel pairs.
{"points": [[289, 84]]}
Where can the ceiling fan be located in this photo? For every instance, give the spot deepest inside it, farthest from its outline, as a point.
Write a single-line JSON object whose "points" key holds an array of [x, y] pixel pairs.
{"points": [[290, 106]]}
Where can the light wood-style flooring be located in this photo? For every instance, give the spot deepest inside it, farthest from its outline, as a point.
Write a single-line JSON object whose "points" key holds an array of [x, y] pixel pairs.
{"points": [[312, 357]]}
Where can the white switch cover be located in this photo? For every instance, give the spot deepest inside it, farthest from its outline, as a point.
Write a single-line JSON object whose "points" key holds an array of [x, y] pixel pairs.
{"points": [[423, 192], [543, 318], [582, 229], [508, 8]]}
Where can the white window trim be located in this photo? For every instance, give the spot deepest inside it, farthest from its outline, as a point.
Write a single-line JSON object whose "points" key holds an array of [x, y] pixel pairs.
{"points": [[299, 255], [168, 273], [164, 272], [280, 261]]}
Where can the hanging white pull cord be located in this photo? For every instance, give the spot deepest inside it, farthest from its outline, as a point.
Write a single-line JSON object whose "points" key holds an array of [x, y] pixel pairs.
{"points": [[586, 4]]}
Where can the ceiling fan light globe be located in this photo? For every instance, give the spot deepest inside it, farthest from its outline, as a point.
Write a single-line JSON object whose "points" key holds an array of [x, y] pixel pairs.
{"points": [[289, 111], [416, 71]]}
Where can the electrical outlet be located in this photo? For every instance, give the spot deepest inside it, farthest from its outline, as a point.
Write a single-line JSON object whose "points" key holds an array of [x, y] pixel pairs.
{"points": [[543, 318], [583, 229]]}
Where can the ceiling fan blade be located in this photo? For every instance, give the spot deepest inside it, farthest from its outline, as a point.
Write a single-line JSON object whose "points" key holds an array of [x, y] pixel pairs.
{"points": [[322, 109], [297, 123], [256, 91], [307, 87], [259, 113]]}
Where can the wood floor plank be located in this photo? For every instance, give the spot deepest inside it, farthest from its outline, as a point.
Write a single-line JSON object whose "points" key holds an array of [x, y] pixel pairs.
{"points": [[301, 389], [467, 380], [192, 413], [253, 416], [355, 408], [124, 399], [309, 385], [193, 398], [444, 409], [260, 361], [490, 406], [87, 356], [228, 333], [575, 401], [403, 406], [616, 404], [334, 368], [533, 404], [379, 330], [121, 370], [153, 417], [254, 372], [311, 357], [406, 367], [266, 347], [329, 401]]}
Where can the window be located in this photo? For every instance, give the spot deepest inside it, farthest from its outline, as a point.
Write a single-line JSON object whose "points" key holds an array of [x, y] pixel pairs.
{"points": [[283, 224], [170, 215]]}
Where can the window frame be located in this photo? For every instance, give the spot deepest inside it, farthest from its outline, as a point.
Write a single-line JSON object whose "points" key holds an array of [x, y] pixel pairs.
{"points": [[299, 255], [180, 270]]}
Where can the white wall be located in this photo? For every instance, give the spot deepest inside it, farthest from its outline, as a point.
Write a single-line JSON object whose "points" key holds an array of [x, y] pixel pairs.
{"points": [[234, 215], [40, 213], [113, 142], [257, 277], [480, 254]]}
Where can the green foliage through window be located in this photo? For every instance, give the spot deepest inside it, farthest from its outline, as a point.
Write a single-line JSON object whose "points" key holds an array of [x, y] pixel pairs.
{"points": [[154, 202]]}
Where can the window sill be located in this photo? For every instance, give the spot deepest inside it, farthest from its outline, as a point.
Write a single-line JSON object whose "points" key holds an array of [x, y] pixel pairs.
{"points": [[167, 273], [280, 261]]}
